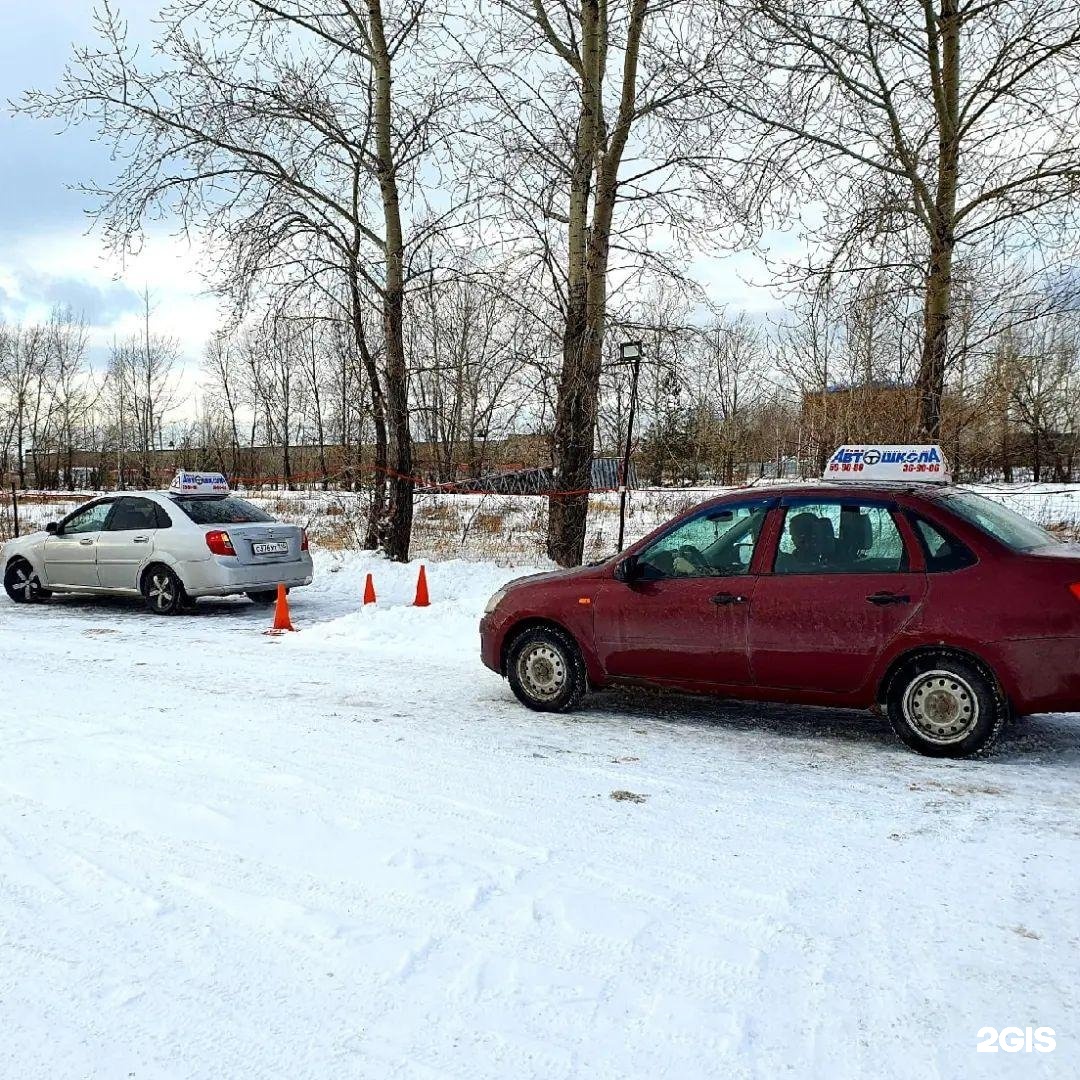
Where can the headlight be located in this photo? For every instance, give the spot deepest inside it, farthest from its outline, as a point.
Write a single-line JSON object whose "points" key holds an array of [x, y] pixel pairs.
{"points": [[495, 601]]}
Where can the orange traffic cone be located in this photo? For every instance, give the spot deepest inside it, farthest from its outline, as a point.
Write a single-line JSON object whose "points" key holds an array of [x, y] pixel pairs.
{"points": [[282, 622], [422, 599], [369, 590]]}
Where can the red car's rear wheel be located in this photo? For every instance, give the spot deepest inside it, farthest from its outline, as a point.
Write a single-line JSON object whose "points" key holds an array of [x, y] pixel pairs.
{"points": [[946, 706]]}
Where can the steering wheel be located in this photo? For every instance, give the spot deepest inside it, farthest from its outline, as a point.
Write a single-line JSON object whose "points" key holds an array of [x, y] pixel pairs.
{"points": [[694, 557]]}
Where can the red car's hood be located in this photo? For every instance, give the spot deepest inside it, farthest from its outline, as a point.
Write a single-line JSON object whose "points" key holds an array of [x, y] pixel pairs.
{"points": [[595, 570]]}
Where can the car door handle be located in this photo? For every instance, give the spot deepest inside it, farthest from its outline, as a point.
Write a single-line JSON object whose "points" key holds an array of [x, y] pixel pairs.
{"points": [[883, 598], [88, 540], [141, 540], [728, 598]]}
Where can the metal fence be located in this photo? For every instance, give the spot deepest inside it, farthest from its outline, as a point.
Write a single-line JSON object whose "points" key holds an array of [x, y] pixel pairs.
{"points": [[1055, 509]]}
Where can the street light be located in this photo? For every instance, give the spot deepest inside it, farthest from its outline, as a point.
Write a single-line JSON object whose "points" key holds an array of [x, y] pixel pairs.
{"points": [[629, 353]]}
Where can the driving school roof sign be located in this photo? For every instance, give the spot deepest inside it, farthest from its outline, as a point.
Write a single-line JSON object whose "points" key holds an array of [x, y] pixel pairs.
{"points": [[924, 464], [195, 483]]}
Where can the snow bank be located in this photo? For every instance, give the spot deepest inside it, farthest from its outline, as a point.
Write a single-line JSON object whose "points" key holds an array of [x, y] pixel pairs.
{"points": [[331, 610]]}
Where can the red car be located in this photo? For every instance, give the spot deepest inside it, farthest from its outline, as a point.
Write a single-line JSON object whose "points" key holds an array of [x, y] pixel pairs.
{"points": [[942, 607]]}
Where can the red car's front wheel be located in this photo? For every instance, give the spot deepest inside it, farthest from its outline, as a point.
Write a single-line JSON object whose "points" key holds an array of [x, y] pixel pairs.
{"points": [[545, 669]]}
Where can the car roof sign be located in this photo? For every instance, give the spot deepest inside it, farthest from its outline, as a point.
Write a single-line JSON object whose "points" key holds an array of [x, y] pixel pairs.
{"points": [[906, 463], [199, 483]]}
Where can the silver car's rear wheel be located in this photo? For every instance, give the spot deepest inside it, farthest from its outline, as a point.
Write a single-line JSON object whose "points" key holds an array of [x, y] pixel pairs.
{"points": [[163, 591], [22, 584]]}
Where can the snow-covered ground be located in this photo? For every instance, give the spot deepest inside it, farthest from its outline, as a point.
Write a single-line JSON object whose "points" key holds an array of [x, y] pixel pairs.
{"points": [[348, 852]]}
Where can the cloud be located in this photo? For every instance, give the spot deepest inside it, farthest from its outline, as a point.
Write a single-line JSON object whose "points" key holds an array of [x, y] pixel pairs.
{"points": [[98, 303], [69, 268]]}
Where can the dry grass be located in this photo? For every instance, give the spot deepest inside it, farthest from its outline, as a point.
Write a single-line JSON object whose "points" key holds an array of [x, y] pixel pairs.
{"points": [[340, 537], [490, 523], [436, 512]]}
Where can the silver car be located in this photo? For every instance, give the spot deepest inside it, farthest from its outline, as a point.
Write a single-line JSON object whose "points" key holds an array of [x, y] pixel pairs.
{"points": [[169, 547]]}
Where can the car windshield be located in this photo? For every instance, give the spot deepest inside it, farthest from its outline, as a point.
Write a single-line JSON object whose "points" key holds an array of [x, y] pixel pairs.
{"points": [[1012, 529], [226, 510]]}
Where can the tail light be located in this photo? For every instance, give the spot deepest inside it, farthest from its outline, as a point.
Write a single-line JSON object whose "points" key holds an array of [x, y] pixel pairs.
{"points": [[303, 540], [219, 542], [1074, 588]]}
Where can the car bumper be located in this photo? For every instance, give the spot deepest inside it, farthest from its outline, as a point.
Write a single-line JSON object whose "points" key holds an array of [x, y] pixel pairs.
{"points": [[224, 577], [491, 644]]}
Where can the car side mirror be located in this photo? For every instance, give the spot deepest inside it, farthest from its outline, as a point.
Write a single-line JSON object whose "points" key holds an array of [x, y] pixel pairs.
{"points": [[627, 570], [52, 528]]}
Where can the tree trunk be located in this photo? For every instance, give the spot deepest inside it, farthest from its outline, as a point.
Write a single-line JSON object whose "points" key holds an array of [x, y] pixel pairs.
{"points": [[937, 307], [596, 160], [21, 452], [395, 528], [575, 422], [378, 416]]}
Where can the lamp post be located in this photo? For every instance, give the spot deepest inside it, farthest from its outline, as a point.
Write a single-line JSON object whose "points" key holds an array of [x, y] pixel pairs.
{"points": [[629, 353]]}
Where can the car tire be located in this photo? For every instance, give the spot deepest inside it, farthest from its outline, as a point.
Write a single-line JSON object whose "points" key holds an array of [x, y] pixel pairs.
{"points": [[22, 584], [265, 598], [946, 706], [164, 592], [545, 670]]}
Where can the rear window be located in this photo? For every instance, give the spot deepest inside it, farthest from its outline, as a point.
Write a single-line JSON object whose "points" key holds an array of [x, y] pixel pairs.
{"points": [[224, 511], [1012, 529], [942, 550]]}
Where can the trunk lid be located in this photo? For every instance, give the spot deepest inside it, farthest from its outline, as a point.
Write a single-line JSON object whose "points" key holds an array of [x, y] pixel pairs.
{"points": [[258, 543]]}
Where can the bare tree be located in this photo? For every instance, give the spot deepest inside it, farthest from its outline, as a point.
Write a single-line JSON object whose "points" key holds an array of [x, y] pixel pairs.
{"points": [[928, 128], [297, 137], [470, 345], [143, 389], [601, 109]]}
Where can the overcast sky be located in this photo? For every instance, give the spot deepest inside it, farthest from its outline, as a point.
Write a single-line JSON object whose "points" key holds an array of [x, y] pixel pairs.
{"points": [[46, 255]]}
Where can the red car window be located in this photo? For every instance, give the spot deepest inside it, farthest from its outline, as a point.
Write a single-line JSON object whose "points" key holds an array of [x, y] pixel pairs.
{"points": [[942, 550], [836, 538], [717, 543]]}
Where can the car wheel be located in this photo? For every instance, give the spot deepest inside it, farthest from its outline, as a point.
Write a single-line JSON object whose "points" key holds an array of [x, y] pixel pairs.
{"points": [[265, 598], [22, 584], [164, 592], [545, 670], [946, 706]]}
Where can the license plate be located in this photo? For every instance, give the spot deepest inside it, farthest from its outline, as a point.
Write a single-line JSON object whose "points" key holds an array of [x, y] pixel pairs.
{"points": [[270, 547]]}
